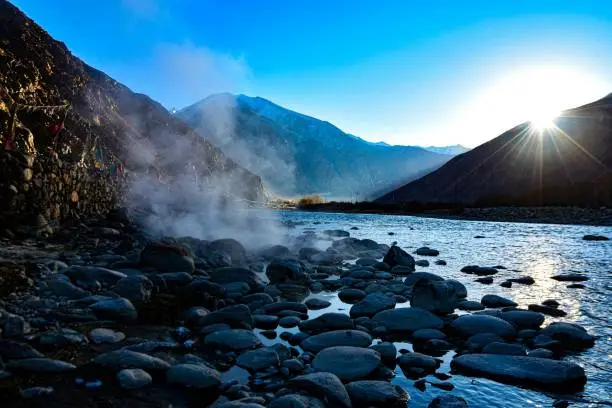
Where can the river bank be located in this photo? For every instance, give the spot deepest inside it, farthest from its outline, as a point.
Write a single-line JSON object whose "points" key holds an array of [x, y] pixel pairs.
{"points": [[103, 313], [543, 215]]}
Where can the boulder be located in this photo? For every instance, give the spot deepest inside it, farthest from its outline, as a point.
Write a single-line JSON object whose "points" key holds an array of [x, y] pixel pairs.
{"points": [[167, 258], [521, 370], [133, 378], [135, 288], [296, 401], [524, 319], [231, 247], [193, 376], [237, 316], [370, 393], [448, 401], [426, 251], [570, 277], [89, 274], [119, 309], [436, 296], [106, 336], [259, 359], [407, 320], [478, 341], [495, 301], [470, 305], [233, 274], [61, 286], [415, 365], [325, 386], [286, 270], [275, 308], [265, 322], [233, 340], [547, 310], [469, 325], [372, 304], [348, 363], [317, 304], [327, 322], [397, 256], [571, 335], [413, 278], [120, 359], [14, 350], [351, 295], [428, 334], [591, 237], [318, 342], [40, 365]]}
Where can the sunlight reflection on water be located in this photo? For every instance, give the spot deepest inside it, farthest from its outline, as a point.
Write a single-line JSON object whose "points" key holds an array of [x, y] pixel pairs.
{"points": [[536, 250]]}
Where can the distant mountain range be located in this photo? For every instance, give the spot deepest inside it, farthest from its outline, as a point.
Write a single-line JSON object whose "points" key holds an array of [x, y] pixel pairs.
{"points": [[296, 154], [453, 150], [567, 165]]}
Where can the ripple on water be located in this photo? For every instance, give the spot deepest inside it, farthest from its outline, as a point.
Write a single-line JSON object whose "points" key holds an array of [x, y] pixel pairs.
{"points": [[536, 250]]}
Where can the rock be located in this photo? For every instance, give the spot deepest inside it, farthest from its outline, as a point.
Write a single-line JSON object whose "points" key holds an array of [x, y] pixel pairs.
{"points": [[327, 322], [426, 251], [317, 304], [570, 277], [547, 310], [93, 274], [13, 326], [524, 319], [387, 351], [495, 301], [479, 270], [134, 378], [402, 270], [468, 325], [354, 338], [435, 296], [348, 363], [234, 340], [415, 365], [595, 238], [35, 392], [206, 330], [286, 270], [265, 322], [428, 334], [167, 258], [231, 274], [372, 304], [487, 280], [351, 295], [277, 307], [62, 288], [237, 316], [296, 401], [193, 376], [366, 261], [294, 291], [377, 394], [120, 359], [289, 321], [448, 401], [413, 278], [326, 386], [504, 348], [259, 359], [14, 350], [440, 262], [397, 256], [480, 340], [522, 370], [119, 309], [176, 279], [276, 251], [136, 288], [407, 320], [60, 338], [470, 305], [106, 336], [571, 335], [40, 365], [422, 262], [523, 280], [576, 286], [541, 353], [229, 246]]}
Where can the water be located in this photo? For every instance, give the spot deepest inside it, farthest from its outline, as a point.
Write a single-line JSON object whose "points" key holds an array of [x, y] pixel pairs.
{"points": [[537, 250]]}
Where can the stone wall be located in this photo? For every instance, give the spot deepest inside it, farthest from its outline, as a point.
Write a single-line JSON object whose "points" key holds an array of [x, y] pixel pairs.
{"points": [[40, 192]]}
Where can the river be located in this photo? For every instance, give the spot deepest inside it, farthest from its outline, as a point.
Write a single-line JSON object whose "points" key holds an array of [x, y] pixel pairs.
{"points": [[537, 250]]}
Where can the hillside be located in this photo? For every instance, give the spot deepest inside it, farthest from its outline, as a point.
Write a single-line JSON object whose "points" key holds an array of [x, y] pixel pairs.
{"points": [[296, 154], [569, 165], [106, 125]]}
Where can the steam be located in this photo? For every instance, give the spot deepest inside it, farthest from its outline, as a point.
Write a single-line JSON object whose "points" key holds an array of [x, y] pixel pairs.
{"points": [[170, 185]]}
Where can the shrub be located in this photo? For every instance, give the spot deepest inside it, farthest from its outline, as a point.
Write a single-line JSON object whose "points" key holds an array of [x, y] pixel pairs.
{"points": [[310, 200]]}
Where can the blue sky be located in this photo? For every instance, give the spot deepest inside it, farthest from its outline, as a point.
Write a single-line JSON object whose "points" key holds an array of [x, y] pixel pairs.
{"points": [[406, 72]]}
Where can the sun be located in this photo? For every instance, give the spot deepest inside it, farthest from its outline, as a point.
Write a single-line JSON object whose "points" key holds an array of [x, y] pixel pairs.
{"points": [[544, 119]]}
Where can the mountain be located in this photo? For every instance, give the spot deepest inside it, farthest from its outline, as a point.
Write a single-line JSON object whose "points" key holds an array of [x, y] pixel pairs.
{"points": [[453, 150], [105, 118], [297, 155], [570, 164]]}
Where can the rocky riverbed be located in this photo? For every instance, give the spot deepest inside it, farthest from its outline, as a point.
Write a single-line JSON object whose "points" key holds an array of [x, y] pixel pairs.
{"points": [[103, 314]]}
